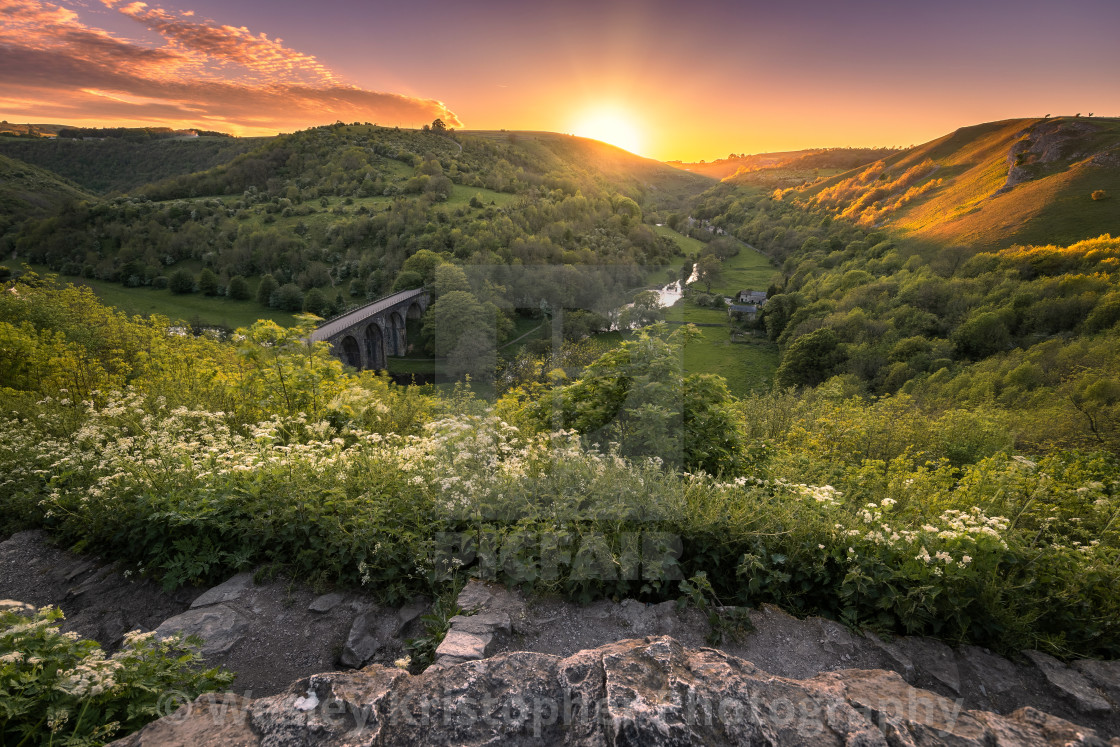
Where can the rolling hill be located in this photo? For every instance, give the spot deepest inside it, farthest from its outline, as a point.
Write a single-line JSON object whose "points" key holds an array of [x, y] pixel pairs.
{"points": [[1021, 181], [27, 191], [785, 169], [118, 165]]}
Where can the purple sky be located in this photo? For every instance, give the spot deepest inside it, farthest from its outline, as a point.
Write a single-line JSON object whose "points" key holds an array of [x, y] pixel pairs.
{"points": [[684, 80]]}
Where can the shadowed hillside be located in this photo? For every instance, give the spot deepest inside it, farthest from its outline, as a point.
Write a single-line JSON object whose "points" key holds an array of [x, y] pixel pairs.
{"points": [[120, 165], [28, 192]]}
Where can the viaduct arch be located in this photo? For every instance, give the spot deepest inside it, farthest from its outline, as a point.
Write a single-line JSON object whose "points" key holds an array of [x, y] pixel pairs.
{"points": [[365, 337]]}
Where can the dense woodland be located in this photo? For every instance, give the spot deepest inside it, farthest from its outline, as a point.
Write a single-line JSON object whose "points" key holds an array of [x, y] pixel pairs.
{"points": [[340, 209]]}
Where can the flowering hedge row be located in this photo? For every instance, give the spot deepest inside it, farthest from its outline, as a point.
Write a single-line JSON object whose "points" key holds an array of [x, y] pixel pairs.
{"points": [[1007, 552]]}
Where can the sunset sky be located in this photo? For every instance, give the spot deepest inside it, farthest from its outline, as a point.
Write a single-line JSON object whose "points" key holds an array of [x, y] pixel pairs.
{"points": [[667, 79]]}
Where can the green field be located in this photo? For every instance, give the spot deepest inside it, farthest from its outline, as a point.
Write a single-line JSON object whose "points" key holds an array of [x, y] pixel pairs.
{"points": [[192, 307], [748, 270], [747, 366], [688, 245]]}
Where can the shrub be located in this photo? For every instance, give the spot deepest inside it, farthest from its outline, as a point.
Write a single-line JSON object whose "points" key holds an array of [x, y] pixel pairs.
{"points": [[316, 303], [1099, 194], [181, 281], [287, 297], [61, 689], [208, 282], [267, 287], [239, 289]]}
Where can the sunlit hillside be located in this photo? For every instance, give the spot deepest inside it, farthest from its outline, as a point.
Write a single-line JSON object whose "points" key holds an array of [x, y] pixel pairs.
{"points": [[990, 185]]}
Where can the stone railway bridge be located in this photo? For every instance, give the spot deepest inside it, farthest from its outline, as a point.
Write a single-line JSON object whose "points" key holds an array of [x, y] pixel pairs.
{"points": [[364, 337]]}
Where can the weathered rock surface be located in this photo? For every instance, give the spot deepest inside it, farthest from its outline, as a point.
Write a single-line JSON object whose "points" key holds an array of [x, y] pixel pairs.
{"points": [[294, 632], [234, 588], [372, 631], [1070, 683], [99, 602], [220, 627], [648, 691]]}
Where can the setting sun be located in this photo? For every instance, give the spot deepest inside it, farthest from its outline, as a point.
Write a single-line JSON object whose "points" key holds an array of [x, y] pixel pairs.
{"points": [[609, 126]]}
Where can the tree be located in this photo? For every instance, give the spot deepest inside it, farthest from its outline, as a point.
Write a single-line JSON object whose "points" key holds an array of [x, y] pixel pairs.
{"points": [[181, 281], [265, 289], [722, 247], [981, 336], [645, 310], [708, 269], [638, 396], [466, 332], [208, 282], [438, 125], [315, 302], [424, 263], [448, 278], [238, 289], [810, 360], [287, 297]]}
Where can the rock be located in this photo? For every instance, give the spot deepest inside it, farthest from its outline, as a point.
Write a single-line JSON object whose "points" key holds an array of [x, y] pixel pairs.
{"points": [[11, 605], [649, 691], [213, 719], [408, 613], [463, 646], [326, 602], [934, 658], [232, 589], [482, 623], [994, 674], [219, 626], [1104, 674], [475, 595], [369, 633], [898, 659], [835, 638], [1070, 683], [80, 567]]}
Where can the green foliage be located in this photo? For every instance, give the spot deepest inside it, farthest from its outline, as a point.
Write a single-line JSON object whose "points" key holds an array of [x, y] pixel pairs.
{"points": [[239, 289], [638, 396], [315, 302], [465, 331], [208, 282], [59, 688], [810, 360], [723, 622], [265, 289], [642, 312], [181, 281], [287, 297], [437, 622]]}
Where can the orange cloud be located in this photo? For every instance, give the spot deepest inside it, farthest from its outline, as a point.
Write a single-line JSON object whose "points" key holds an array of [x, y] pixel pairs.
{"points": [[258, 54], [204, 74]]}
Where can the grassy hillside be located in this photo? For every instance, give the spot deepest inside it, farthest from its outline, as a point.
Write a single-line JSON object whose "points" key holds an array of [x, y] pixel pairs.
{"points": [[27, 191], [120, 165], [786, 169], [640, 178], [1022, 181]]}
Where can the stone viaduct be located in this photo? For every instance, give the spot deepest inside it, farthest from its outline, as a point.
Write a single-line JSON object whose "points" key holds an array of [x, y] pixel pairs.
{"points": [[364, 337]]}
